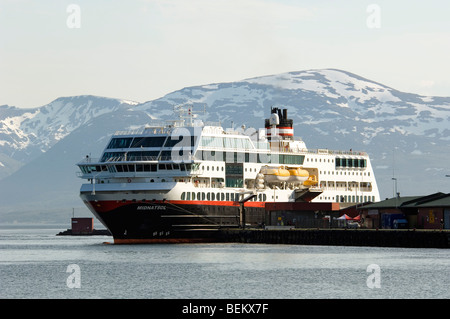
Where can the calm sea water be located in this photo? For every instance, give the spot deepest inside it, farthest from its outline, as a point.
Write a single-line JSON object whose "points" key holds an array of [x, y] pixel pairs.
{"points": [[35, 263]]}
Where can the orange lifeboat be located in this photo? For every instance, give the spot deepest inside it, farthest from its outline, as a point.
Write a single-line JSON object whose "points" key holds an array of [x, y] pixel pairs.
{"points": [[275, 174], [311, 181], [298, 174]]}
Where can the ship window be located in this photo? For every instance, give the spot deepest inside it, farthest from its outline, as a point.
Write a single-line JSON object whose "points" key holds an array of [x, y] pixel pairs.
{"points": [[291, 159], [238, 157], [203, 196], [213, 196], [166, 155], [183, 196], [199, 196], [262, 145], [113, 157], [208, 196], [142, 156], [233, 169], [154, 141], [234, 182], [228, 196], [229, 143], [120, 142], [211, 141], [264, 158]]}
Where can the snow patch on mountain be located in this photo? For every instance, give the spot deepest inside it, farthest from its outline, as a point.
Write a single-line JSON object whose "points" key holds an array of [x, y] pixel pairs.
{"points": [[25, 132]]}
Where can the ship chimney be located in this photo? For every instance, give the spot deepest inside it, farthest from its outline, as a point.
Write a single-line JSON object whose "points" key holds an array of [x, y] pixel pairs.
{"points": [[285, 126]]}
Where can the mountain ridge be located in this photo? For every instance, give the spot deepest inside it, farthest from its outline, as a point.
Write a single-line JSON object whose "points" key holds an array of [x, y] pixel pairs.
{"points": [[405, 134]]}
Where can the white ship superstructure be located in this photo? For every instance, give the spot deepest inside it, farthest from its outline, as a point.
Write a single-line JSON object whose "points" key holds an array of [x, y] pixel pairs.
{"points": [[184, 176]]}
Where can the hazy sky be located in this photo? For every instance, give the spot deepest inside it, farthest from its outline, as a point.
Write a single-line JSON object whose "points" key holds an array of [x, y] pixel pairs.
{"points": [[143, 49]]}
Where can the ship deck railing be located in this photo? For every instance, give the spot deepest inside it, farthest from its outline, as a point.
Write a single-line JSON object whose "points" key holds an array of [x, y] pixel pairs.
{"points": [[133, 159]]}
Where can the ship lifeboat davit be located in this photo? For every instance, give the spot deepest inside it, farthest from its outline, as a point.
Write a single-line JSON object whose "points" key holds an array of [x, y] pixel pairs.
{"points": [[298, 174], [275, 174], [311, 181]]}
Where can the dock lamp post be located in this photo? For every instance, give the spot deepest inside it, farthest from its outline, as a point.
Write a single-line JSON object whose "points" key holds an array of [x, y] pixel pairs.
{"points": [[396, 193], [395, 183]]}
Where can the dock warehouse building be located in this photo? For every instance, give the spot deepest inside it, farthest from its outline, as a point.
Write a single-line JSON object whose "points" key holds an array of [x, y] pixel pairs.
{"points": [[421, 212]]}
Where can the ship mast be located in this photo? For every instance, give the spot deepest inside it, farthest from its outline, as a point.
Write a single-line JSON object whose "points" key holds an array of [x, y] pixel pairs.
{"points": [[186, 112]]}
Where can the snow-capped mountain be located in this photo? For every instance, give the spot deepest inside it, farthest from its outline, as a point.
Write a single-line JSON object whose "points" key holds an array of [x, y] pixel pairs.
{"points": [[406, 135], [27, 133], [318, 98]]}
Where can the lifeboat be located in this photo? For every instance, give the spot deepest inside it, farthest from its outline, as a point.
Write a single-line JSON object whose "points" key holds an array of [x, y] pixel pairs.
{"points": [[275, 174], [311, 181], [297, 174]]}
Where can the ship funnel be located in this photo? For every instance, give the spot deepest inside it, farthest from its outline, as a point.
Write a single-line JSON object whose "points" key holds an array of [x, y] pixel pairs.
{"points": [[284, 126]]}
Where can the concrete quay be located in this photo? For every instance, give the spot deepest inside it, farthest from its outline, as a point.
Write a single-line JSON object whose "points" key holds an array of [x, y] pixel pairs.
{"points": [[407, 238]]}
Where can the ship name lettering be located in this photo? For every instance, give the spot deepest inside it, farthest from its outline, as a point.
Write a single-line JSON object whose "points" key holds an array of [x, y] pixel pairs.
{"points": [[156, 207]]}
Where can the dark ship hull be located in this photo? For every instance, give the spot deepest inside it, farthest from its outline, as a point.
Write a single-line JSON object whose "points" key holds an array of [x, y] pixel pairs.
{"points": [[173, 221]]}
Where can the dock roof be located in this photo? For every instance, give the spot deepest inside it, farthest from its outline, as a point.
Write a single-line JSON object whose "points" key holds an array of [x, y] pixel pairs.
{"points": [[432, 200]]}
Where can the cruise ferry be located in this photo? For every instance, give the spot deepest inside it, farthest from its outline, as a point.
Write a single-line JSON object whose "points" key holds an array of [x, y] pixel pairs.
{"points": [[182, 181]]}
